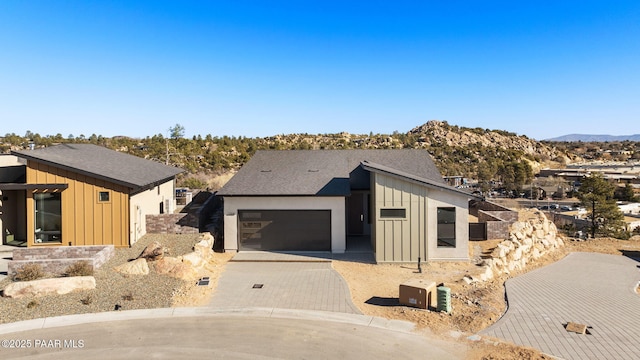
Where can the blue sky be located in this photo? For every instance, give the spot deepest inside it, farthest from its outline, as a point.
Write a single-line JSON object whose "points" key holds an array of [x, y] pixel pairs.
{"points": [[260, 68]]}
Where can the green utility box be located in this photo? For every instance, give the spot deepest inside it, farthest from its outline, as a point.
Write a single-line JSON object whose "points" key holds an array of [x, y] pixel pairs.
{"points": [[444, 299]]}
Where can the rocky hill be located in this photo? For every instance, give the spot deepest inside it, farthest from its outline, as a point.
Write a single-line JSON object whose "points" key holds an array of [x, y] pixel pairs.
{"points": [[438, 132], [470, 152]]}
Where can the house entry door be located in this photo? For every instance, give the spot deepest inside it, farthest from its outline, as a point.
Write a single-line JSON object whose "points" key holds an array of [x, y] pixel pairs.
{"points": [[357, 215]]}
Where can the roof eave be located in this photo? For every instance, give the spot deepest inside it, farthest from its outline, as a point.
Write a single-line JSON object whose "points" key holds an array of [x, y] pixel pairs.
{"points": [[392, 172], [94, 175]]}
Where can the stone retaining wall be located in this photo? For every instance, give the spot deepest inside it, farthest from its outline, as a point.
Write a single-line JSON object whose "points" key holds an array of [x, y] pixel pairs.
{"points": [[173, 223], [528, 240], [496, 217], [56, 259]]}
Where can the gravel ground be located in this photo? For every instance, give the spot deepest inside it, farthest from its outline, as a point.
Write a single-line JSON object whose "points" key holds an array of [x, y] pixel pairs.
{"points": [[130, 292]]}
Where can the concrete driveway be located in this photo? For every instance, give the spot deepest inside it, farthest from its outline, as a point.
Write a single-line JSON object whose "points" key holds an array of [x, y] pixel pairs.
{"points": [[586, 288], [309, 284]]}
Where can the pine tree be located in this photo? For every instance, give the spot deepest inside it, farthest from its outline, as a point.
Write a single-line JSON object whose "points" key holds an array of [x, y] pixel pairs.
{"points": [[606, 219]]}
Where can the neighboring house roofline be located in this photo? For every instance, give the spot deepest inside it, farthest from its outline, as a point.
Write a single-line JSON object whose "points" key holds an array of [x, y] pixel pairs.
{"points": [[115, 167], [377, 168]]}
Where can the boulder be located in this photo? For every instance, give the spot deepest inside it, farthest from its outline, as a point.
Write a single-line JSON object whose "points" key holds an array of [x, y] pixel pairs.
{"points": [[153, 251], [500, 251], [176, 268], [517, 227], [203, 249], [517, 255], [486, 274], [194, 259], [208, 238], [135, 267], [535, 253], [58, 286]]}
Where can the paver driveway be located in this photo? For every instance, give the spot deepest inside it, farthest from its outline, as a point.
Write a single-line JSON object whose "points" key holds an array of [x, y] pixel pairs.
{"points": [[592, 289], [287, 285]]}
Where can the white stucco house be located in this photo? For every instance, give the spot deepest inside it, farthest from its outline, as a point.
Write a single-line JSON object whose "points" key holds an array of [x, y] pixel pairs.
{"points": [[320, 200]]}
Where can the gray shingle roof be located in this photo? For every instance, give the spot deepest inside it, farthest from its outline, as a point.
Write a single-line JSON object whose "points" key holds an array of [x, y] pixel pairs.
{"points": [[320, 172], [369, 166], [100, 162]]}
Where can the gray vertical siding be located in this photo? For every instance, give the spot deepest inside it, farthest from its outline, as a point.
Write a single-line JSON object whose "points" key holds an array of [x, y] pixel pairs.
{"points": [[399, 240]]}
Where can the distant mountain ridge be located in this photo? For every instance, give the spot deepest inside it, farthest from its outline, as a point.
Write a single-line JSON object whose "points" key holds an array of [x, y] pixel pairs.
{"points": [[595, 138]]}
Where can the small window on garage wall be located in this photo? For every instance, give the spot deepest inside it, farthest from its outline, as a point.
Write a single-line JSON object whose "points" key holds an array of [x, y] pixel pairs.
{"points": [[446, 227], [104, 196], [393, 213]]}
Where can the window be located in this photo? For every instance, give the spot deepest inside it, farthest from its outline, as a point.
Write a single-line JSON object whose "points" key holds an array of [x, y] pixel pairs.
{"points": [[48, 218], [446, 227], [393, 213], [103, 196]]}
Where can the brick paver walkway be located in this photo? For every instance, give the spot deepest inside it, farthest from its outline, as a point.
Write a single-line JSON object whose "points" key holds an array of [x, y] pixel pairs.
{"points": [[287, 285], [592, 289]]}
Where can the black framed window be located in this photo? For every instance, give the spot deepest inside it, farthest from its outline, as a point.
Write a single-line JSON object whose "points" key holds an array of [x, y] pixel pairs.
{"points": [[48, 217], [103, 196], [393, 213], [446, 227]]}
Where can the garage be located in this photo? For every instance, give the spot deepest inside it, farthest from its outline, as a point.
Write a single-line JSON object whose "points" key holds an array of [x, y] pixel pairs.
{"points": [[284, 230]]}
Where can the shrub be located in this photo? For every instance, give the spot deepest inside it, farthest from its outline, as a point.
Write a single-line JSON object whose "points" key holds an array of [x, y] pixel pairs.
{"points": [[29, 272], [87, 299], [79, 268], [32, 304]]}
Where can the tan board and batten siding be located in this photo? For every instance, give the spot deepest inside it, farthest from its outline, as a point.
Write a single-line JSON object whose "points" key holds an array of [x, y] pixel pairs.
{"points": [[404, 240], [85, 220], [399, 240]]}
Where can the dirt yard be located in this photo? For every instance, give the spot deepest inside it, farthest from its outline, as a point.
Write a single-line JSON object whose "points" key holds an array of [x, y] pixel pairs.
{"points": [[374, 290]]}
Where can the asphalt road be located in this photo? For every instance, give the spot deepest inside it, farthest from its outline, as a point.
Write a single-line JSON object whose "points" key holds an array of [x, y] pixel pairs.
{"points": [[227, 337]]}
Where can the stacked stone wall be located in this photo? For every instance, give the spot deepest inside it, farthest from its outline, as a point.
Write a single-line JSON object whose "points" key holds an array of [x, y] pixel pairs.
{"points": [[54, 260], [528, 240], [173, 223]]}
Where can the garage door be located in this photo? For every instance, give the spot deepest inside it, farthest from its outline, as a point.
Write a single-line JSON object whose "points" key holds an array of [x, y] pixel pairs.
{"points": [[285, 230]]}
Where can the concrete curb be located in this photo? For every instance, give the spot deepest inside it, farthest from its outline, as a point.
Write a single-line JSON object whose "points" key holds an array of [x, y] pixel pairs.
{"points": [[70, 320]]}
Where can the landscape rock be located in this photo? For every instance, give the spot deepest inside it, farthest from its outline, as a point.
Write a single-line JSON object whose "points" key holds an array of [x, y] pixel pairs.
{"points": [[57, 286], [135, 267], [176, 268], [208, 238], [530, 239], [194, 259], [487, 274], [203, 249], [153, 252]]}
